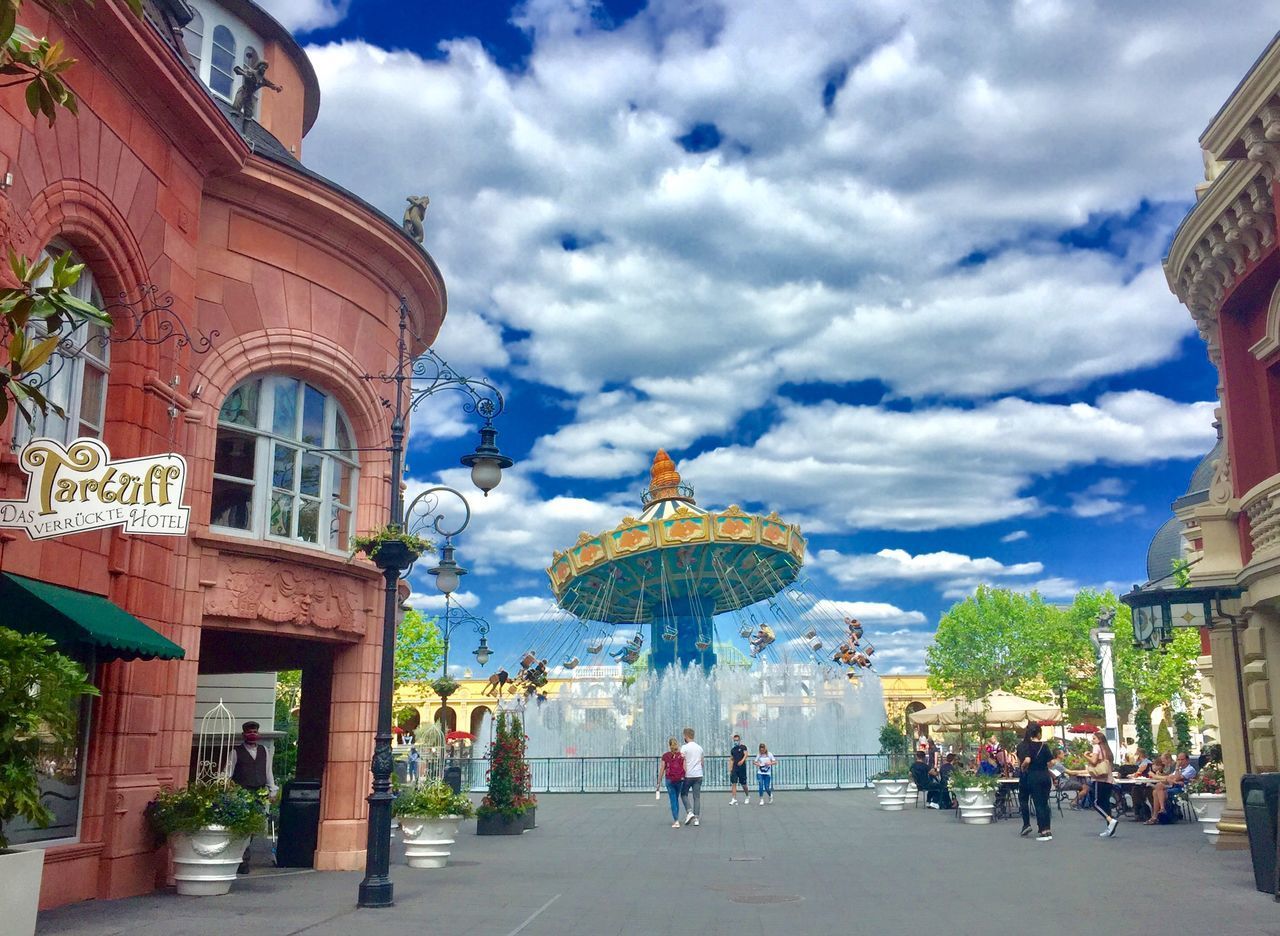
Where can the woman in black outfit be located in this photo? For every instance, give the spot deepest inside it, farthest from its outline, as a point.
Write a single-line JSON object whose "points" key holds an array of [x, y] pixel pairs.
{"points": [[1034, 757]]}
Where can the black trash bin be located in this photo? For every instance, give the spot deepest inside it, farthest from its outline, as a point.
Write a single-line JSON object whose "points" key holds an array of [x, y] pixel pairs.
{"points": [[453, 778], [1261, 794], [299, 824]]}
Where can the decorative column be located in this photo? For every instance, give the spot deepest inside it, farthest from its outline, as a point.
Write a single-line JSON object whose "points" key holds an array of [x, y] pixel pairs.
{"points": [[1103, 637], [1223, 643]]}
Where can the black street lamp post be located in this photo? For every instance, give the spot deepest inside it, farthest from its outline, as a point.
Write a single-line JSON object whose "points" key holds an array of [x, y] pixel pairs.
{"points": [[454, 617], [415, 379]]}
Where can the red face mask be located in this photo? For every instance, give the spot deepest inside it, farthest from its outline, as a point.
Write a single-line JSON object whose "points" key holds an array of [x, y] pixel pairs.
{"points": [[250, 737]]}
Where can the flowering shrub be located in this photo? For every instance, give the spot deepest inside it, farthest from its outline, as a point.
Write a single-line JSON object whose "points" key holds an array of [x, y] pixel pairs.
{"points": [[966, 780], [200, 805], [508, 772], [1208, 780]]}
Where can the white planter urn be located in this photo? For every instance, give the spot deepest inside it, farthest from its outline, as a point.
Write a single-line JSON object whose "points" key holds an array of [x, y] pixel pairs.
{"points": [[976, 806], [20, 873], [205, 862], [427, 839], [892, 794], [1208, 807]]}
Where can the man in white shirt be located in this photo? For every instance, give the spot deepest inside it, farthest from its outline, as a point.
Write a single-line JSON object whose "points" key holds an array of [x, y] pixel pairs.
{"points": [[249, 766], [691, 792]]}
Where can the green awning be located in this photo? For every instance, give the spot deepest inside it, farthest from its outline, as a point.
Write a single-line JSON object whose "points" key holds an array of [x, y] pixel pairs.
{"points": [[71, 617]]}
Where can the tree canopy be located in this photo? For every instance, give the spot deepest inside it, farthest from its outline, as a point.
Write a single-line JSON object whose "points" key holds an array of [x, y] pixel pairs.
{"points": [[1002, 639], [419, 648]]}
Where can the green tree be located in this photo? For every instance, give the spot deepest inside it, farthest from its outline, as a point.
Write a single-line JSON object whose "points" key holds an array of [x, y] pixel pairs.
{"points": [[284, 761], [419, 648], [994, 639], [41, 290], [893, 740], [40, 692]]}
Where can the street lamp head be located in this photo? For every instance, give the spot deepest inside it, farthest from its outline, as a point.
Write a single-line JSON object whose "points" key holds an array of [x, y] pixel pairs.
{"points": [[447, 572], [482, 652], [487, 462]]}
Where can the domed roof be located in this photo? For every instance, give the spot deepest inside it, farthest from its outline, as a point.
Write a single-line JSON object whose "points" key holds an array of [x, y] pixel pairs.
{"points": [[1165, 548]]}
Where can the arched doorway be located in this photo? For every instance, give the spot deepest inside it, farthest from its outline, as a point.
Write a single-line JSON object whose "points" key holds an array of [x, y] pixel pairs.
{"points": [[447, 718]]}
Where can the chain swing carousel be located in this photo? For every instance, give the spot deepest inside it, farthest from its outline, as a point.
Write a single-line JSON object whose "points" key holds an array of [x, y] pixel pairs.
{"points": [[664, 594]]}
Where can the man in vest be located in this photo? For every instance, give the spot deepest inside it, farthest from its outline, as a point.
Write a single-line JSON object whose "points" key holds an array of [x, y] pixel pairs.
{"points": [[249, 766]]}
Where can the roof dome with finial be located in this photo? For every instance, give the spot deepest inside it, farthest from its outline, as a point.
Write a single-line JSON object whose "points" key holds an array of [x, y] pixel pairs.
{"points": [[666, 493]]}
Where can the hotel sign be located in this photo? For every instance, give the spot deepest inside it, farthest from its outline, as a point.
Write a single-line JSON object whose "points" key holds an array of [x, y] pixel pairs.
{"points": [[78, 487]]}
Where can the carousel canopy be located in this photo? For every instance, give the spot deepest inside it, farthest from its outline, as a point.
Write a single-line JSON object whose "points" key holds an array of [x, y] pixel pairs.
{"points": [[676, 555]]}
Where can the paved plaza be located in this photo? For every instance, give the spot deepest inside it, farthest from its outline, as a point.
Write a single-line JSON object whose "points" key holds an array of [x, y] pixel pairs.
{"points": [[810, 863]]}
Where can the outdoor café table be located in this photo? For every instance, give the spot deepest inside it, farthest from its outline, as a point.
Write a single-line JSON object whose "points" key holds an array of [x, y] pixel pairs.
{"points": [[1137, 787], [1006, 798]]}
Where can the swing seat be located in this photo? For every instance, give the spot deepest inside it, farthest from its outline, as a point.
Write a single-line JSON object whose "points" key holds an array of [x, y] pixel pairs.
{"points": [[669, 633], [528, 659], [701, 644], [744, 631], [571, 663], [595, 646], [810, 633], [815, 644]]}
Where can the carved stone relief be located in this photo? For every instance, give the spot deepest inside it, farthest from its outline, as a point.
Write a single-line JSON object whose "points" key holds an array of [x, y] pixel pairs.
{"points": [[257, 590]]}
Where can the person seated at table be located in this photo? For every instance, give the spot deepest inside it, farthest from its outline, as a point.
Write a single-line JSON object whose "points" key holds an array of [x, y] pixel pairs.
{"points": [[926, 779], [1142, 762], [944, 779], [1171, 782], [988, 765]]}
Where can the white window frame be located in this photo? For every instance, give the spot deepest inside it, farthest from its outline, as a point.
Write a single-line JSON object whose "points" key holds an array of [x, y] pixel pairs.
{"points": [[263, 488], [69, 372], [212, 17]]}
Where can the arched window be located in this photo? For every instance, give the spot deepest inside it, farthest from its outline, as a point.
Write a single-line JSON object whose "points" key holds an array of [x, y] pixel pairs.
{"points": [[284, 466], [222, 61], [75, 380], [193, 36]]}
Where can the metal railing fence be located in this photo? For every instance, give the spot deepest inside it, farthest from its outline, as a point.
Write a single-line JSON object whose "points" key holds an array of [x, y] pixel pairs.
{"points": [[640, 774]]}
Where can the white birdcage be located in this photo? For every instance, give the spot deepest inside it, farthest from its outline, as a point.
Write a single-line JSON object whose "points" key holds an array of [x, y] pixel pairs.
{"points": [[216, 738]]}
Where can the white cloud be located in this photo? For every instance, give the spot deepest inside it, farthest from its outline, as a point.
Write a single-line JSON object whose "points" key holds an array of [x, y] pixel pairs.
{"points": [[868, 612], [898, 565], [515, 526], [901, 650], [434, 601], [304, 15], [1015, 536], [1101, 499], [849, 467], [525, 609]]}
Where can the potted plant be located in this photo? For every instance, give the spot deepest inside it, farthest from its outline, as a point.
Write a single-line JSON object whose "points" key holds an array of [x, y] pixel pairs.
{"points": [[501, 812], [1208, 794], [208, 825], [976, 794], [429, 818], [40, 690], [891, 788], [391, 547]]}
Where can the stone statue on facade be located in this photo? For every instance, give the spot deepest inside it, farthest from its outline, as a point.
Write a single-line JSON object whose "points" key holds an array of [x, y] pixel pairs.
{"points": [[253, 78], [414, 215]]}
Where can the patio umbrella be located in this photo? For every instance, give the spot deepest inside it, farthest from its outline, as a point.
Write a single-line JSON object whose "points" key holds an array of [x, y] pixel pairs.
{"points": [[999, 709], [459, 736]]}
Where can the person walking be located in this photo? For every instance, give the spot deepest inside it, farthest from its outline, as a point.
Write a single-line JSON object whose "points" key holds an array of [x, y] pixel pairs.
{"points": [[671, 772], [691, 790], [1034, 757], [1101, 764], [764, 772], [414, 757], [738, 772]]}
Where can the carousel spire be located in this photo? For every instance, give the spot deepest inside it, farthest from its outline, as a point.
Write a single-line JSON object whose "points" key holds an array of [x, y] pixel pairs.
{"points": [[664, 480]]}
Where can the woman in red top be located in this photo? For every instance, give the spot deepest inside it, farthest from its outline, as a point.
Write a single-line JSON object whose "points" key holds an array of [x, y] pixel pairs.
{"points": [[672, 771]]}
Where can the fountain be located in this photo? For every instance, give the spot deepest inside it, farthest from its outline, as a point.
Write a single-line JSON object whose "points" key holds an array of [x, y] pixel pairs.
{"points": [[683, 573]]}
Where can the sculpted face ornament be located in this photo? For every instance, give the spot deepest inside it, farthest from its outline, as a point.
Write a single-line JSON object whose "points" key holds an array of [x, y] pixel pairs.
{"points": [[78, 487]]}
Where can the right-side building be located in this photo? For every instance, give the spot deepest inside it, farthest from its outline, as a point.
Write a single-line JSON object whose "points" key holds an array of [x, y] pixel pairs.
{"points": [[1224, 266]]}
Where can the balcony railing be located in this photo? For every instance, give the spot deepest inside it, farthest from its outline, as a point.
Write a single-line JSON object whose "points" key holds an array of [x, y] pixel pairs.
{"points": [[1262, 506]]}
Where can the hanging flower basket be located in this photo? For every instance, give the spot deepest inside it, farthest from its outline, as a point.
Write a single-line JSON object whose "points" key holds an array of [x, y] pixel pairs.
{"points": [[445, 686], [391, 547]]}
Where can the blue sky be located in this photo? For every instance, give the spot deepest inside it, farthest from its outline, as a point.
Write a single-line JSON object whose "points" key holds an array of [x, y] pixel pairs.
{"points": [[892, 270]]}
